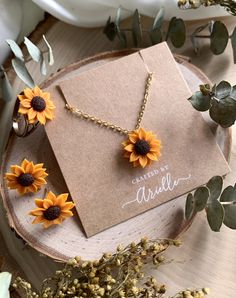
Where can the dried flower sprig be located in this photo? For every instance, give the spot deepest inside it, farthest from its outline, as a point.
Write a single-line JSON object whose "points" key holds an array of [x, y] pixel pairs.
{"points": [[220, 205], [113, 275], [220, 100], [229, 5]]}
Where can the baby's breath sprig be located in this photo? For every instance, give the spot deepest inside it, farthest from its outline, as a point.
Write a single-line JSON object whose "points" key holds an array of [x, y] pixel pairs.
{"points": [[229, 5], [117, 275]]}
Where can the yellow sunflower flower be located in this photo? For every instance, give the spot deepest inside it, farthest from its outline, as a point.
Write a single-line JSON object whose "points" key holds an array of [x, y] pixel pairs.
{"points": [[142, 148], [37, 105], [52, 210], [28, 177]]}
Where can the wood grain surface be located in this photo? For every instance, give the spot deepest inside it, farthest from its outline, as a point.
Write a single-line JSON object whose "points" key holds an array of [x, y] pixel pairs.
{"points": [[165, 221], [206, 258]]}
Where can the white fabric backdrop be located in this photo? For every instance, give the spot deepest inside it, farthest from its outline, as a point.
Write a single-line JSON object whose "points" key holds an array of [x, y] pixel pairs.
{"points": [[90, 13], [21, 16]]}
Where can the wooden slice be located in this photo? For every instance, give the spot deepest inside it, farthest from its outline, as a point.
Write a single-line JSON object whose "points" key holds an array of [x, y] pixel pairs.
{"points": [[66, 241]]}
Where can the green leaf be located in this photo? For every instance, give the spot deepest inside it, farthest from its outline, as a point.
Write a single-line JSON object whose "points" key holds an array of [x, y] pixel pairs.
{"points": [[15, 49], [110, 30], [201, 196], [233, 43], [233, 93], [122, 37], [223, 112], [229, 195], [177, 32], [7, 91], [215, 186], [219, 38], [33, 50], [120, 34], [22, 72], [189, 206], [5, 281], [215, 215], [136, 29], [50, 52], [158, 19], [156, 36], [200, 102], [43, 68], [118, 16], [223, 90]]}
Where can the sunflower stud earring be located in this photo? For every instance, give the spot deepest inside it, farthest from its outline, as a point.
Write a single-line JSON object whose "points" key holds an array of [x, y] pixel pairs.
{"points": [[52, 210], [27, 177], [36, 106]]}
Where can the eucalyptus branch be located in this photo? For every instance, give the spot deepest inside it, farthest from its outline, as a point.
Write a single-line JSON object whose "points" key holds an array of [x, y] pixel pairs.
{"points": [[219, 100], [176, 33], [2, 70], [220, 206]]}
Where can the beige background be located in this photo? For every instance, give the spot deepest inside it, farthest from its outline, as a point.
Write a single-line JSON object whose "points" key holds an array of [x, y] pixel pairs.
{"points": [[206, 258]]}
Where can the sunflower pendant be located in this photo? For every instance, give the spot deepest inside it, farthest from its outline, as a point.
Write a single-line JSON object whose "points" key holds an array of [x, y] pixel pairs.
{"points": [[142, 148]]}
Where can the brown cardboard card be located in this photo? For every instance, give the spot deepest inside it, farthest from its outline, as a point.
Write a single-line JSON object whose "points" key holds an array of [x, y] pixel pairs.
{"points": [[105, 187]]}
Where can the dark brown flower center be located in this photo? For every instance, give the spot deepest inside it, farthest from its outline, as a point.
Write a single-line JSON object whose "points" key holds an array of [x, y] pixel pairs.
{"points": [[53, 212], [26, 179], [38, 104], [142, 147]]}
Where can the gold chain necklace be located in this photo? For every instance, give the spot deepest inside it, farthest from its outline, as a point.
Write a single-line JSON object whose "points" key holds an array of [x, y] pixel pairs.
{"points": [[141, 147]]}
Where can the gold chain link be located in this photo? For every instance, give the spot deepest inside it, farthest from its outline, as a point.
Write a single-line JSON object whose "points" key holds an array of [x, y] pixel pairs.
{"points": [[109, 125]]}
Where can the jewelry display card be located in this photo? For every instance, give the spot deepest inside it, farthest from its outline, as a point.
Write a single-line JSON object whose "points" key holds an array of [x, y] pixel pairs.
{"points": [[105, 187]]}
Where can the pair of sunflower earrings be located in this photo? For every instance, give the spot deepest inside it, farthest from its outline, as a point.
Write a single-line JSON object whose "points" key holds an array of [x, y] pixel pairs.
{"points": [[28, 178]]}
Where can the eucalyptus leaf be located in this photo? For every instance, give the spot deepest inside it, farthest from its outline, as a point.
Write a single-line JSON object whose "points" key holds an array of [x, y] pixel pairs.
{"points": [[110, 30], [177, 32], [7, 91], [219, 38], [158, 19], [156, 36], [122, 37], [189, 206], [50, 52], [215, 186], [6, 110], [229, 195], [22, 72], [43, 67], [201, 196], [33, 50], [223, 89], [233, 43], [215, 215], [5, 281], [233, 93], [136, 29], [118, 16], [15, 49], [223, 112], [210, 26], [200, 102]]}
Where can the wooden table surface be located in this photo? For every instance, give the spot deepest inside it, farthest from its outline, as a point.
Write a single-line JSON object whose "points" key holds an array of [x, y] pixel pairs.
{"points": [[205, 258]]}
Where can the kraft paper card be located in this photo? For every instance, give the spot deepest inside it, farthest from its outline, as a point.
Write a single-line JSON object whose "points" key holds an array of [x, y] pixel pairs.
{"points": [[104, 186]]}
